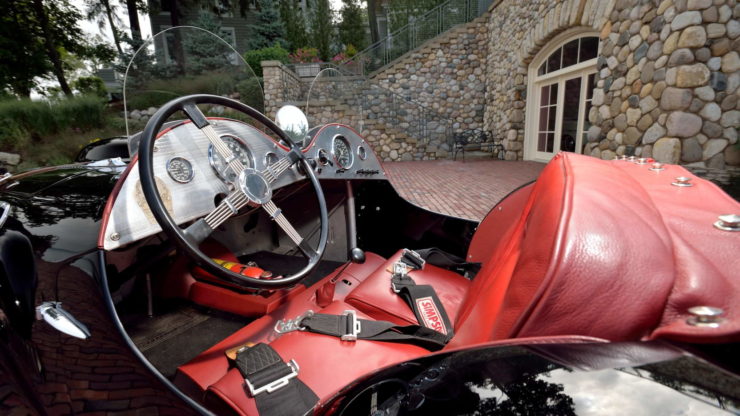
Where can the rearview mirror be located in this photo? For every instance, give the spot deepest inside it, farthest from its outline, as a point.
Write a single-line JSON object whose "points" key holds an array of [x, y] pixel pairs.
{"points": [[293, 122]]}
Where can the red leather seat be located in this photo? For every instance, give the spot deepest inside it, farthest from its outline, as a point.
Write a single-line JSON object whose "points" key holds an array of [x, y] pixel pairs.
{"points": [[595, 248]]}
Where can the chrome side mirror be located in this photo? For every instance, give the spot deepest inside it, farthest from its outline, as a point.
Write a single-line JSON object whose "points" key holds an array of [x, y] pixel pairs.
{"points": [[293, 122], [61, 320]]}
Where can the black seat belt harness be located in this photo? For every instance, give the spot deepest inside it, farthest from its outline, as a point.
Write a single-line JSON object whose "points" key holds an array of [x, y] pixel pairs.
{"points": [[422, 299], [273, 383]]}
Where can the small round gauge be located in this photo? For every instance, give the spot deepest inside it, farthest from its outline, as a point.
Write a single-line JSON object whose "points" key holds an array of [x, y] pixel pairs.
{"points": [[361, 153], [271, 158], [341, 152], [180, 169], [323, 157], [240, 151]]}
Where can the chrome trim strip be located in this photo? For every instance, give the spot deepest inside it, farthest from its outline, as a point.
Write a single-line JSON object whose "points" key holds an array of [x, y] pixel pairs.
{"points": [[5, 207]]}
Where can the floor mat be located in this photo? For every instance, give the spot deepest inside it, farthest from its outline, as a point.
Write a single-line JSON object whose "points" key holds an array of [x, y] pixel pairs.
{"points": [[285, 264], [172, 338]]}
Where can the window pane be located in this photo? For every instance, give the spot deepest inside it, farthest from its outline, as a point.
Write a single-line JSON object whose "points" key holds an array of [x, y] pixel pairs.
{"points": [[550, 141], [543, 69], [545, 95], [570, 53], [542, 142], [551, 118], [571, 104], [543, 119], [553, 62], [553, 93], [589, 48]]}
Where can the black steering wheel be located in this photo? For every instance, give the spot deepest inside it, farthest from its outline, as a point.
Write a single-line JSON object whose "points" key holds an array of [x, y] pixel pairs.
{"points": [[250, 187]]}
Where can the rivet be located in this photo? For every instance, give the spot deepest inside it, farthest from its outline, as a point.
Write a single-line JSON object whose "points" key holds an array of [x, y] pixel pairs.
{"points": [[728, 222], [682, 181], [706, 316], [115, 237], [642, 161], [657, 167]]}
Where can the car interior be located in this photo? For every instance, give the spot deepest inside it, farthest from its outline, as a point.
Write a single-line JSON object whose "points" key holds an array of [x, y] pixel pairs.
{"points": [[593, 250]]}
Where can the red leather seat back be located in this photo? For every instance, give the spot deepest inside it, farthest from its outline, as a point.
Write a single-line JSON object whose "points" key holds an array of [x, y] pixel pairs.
{"points": [[592, 255]]}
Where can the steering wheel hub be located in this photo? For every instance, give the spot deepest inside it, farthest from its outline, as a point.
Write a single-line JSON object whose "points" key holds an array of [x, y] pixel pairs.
{"points": [[254, 186]]}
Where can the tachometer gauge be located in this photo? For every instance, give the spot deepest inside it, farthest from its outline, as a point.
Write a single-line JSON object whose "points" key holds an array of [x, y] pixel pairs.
{"points": [[340, 149], [180, 169], [238, 148]]}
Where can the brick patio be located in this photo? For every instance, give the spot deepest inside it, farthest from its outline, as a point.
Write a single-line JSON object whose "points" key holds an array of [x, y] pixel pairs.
{"points": [[464, 190]]}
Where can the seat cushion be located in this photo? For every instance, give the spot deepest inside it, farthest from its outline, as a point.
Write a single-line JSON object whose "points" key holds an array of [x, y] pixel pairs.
{"points": [[326, 363], [375, 297]]}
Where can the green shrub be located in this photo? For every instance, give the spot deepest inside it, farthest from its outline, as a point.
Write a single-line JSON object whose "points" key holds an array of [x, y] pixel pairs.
{"points": [[12, 135], [90, 86], [83, 113], [274, 53]]}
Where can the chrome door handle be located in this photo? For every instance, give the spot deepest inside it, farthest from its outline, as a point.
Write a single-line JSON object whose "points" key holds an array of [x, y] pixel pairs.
{"points": [[61, 320]]}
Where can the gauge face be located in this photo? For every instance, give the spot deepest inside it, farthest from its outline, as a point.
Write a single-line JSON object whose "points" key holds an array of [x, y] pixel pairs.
{"points": [[180, 169], [362, 153], [238, 148], [342, 153], [270, 158]]}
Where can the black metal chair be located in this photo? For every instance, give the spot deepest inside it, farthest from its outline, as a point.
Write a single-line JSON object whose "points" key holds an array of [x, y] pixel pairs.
{"points": [[476, 139]]}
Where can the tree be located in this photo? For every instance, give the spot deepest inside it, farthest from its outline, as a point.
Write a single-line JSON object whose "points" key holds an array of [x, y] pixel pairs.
{"points": [[322, 28], [22, 53], [203, 53], [352, 28], [372, 19], [133, 7], [294, 23], [57, 25], [267, 30], [103, 12]]}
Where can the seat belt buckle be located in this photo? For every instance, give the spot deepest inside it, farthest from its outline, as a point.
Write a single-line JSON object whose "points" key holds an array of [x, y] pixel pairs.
{"points": [[284, 326], [276, 384], [353, 326], [413, 259]]}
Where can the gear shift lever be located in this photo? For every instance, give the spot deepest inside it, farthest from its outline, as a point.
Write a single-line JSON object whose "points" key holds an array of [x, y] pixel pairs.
{"points": [[325, 294]]}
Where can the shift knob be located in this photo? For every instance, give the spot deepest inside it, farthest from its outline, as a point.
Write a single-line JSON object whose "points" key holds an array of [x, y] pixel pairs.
{"points": [[357, 255]]}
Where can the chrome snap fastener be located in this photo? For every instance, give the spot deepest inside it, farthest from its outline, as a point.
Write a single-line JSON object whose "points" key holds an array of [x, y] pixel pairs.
{"points": [[682, 181], [728, 222], [657, 167], [705, 316]]}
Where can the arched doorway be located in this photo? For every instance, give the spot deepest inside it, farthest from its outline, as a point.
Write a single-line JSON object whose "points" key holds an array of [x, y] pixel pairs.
{"points": [[561, 82]]}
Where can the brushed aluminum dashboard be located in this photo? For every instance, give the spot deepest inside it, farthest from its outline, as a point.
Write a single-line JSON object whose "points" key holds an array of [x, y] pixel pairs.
{"points": [[130, 218]]}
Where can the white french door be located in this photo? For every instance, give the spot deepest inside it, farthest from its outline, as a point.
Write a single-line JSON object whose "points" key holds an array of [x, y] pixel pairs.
{"points": [[561, 116]]}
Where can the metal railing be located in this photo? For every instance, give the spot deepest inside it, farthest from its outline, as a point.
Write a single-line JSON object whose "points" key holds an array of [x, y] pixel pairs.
{"points": [[427, 26]]}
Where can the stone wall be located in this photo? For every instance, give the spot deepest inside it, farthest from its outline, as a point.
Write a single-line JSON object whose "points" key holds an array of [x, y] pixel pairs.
{"points": [[668, 82], [667, 85], [445, 74], [517, 31]]}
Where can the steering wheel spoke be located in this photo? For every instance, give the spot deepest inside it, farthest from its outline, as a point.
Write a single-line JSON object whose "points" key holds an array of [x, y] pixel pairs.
{"points": [[277, 215], [273, 172], [201, 122]]}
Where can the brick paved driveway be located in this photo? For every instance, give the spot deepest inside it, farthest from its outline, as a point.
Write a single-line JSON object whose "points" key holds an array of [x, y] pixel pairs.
{"points": [[464, 190]]}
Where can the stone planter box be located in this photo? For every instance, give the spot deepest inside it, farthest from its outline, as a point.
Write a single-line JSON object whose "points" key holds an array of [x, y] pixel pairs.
{"points": [[307, 70]]}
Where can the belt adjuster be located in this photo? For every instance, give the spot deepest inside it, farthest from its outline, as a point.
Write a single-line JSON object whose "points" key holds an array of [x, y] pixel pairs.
{"points": [[277, 384], [353, 326], [284, 326], [413, 259]]}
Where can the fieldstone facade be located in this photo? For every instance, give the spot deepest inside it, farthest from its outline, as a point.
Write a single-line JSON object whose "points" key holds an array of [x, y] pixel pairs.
{"points": [[445, 74], [666, 85], [668, 78]]}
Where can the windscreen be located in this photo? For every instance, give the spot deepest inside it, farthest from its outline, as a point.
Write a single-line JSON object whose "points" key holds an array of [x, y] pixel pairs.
{"points": [[181, 61]]}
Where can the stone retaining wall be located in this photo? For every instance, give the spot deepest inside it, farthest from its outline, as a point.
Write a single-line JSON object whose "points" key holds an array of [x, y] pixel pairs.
{"points": [[667, 85], [445, 74]]}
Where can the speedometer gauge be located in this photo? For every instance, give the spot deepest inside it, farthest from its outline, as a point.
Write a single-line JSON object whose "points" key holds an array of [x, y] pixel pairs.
{"points": [[238, 148], [340, 149], [180, 169]]}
